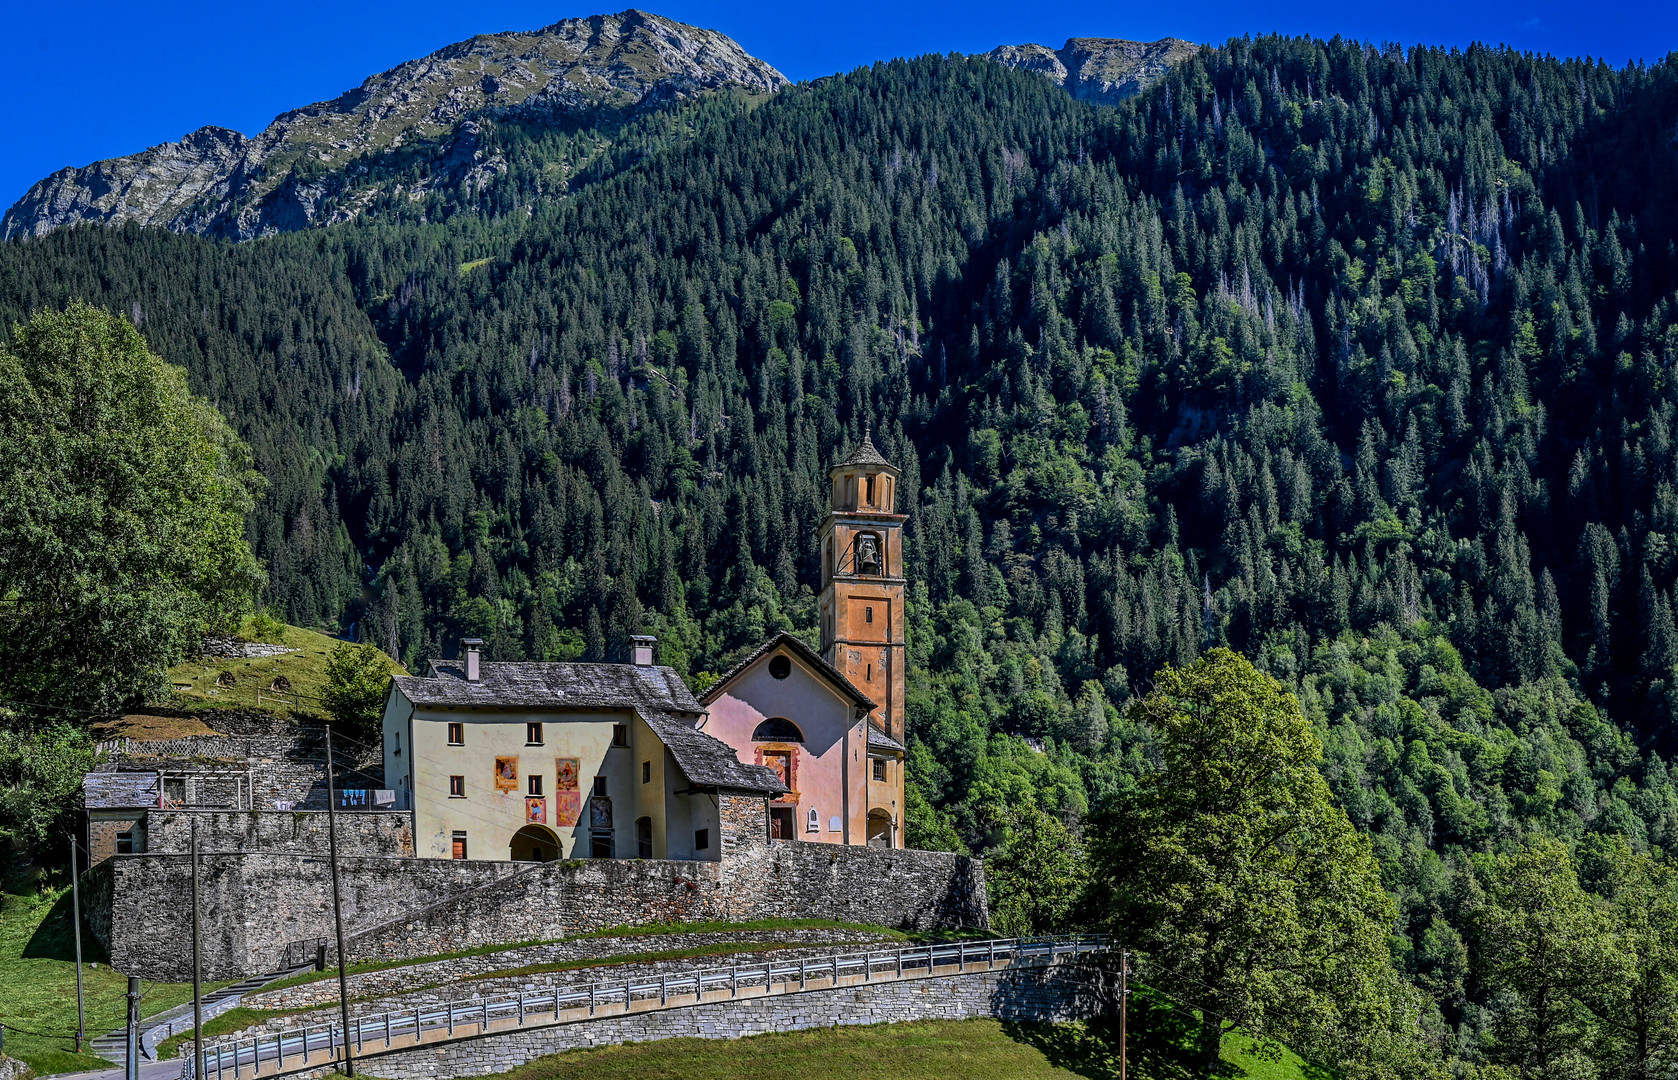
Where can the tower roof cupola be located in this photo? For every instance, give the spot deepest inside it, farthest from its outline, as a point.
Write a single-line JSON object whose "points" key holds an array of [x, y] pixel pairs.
{"points": [[865, 455]]}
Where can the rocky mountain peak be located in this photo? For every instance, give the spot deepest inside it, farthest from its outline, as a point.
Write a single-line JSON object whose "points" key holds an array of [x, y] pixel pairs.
{"points": [[1101, 70], [218, 181]]}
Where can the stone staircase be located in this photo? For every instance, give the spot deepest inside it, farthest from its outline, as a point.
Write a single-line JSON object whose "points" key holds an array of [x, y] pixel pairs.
{"points": [[113, 1045]]}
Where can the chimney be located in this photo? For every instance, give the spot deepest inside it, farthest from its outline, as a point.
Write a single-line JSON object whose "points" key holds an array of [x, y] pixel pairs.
{"points": [[471, 645], [642, 647]]}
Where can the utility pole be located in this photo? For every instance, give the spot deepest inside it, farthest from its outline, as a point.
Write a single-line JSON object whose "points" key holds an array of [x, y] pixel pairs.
{"points": [[337, 905], [76, 928], [197, 986], [1124, 1005], [131, 1067]]}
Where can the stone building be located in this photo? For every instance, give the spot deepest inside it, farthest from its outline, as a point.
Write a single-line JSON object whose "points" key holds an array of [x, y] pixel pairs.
{"points": [[542, 761], [832, 724], [282, 769]]}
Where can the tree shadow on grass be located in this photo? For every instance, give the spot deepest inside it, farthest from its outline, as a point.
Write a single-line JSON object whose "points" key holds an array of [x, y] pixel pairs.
{"points": [[51, 939], [1160, 1043]]}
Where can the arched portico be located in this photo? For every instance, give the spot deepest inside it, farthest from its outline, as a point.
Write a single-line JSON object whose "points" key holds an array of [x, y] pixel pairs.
{"points": [[534, 843]]}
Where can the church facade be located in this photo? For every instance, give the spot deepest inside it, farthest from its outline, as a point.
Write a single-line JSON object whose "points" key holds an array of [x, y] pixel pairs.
{"points": [[830, 724], [541, 761]]}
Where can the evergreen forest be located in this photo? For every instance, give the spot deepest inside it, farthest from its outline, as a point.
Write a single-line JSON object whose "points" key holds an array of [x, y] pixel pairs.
{"points": [[1357, 361]]}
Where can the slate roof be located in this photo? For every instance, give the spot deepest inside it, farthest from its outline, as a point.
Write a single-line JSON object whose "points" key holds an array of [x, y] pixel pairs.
{"points": [[807, 654], [865, 454], [876, 737], [646, 689], [707, 761], [119, 790]]}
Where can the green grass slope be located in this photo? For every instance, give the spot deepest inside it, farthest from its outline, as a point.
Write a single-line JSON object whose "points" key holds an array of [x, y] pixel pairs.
{"points": [[38, 985], [922, 1050], [218, 683]]}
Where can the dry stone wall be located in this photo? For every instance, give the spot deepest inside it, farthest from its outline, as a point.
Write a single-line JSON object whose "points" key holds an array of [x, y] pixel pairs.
{"points": [[267, 911], [395, 981], [1059, 992], [299, 831]]}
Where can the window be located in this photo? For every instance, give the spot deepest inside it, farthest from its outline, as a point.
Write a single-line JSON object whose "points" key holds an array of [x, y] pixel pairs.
{"points": [[459, 845], [867, 614], [398, 744], [646, 772], [779, 666], [125, 842], [701, 839], [457, 734], [815, 822], [879, 768], [620, 734], [457, 787], [780, 823], [600, 786], [533, 734], [777, 729], [534, 785], [600, 845], [870, 673], [870, 492], [644, 838]]}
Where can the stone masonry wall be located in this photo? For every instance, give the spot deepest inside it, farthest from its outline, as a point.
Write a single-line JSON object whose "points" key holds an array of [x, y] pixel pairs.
{"points": [[299, 831], [919, 890], [1057, 992], [265, 911], [464, 974]]}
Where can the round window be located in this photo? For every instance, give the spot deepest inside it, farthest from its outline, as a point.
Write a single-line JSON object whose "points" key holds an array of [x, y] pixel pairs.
{"points": [[779, 666]]}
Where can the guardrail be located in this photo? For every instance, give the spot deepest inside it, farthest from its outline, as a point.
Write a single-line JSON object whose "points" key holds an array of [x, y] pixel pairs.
{"points": [[311, 1047]]}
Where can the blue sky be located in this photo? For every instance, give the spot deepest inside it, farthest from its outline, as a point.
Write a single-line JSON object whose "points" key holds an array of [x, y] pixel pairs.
{"points": [[101, 78]]}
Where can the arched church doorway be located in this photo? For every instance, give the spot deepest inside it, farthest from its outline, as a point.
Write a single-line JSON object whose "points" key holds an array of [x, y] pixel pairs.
{"points": [[879, 829], [534, 843]]}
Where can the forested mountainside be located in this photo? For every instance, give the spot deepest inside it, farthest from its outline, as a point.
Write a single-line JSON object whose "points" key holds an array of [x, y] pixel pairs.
{"points": [[1358, 361]]}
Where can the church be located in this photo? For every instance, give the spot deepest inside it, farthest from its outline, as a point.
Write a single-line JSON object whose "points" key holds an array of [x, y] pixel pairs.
{"points": [[541, 761]]}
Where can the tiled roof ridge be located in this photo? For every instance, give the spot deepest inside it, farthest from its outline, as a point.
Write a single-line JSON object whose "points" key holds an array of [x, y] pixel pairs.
{"points": [[550, 683], [707, 761]]}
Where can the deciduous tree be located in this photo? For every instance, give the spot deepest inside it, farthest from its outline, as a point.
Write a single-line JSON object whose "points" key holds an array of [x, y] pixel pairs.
{"points": [[1245, 885], [122, 514]]}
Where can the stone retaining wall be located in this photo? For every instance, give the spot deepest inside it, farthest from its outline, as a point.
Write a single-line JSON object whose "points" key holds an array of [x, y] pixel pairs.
{"points": [[1059, 992], [394, 981], [266, 911], [503, 987], [298, 831]]}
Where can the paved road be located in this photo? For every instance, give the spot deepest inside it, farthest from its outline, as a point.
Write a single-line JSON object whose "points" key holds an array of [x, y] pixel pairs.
{"points": [[149, 1070]]}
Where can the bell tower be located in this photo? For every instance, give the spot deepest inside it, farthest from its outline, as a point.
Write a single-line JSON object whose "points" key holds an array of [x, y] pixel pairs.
{"points": [[862, 615]]}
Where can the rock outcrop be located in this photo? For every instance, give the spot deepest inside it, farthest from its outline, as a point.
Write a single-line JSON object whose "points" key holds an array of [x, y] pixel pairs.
{"points": [[220, 182], [1101, 70]]}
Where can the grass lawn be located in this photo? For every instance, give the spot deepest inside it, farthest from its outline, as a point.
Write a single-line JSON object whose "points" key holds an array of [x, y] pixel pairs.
{"points": [[924, 1050], [38, 985], [197, 684]]}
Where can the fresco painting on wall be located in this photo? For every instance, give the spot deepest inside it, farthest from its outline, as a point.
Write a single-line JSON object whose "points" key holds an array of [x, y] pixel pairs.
{"points": [[600, 813], [506, 774], [536, 811], [568, 801]]}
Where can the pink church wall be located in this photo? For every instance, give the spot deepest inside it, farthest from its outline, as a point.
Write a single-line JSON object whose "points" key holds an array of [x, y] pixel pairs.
{"points": [[830, 737]]}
